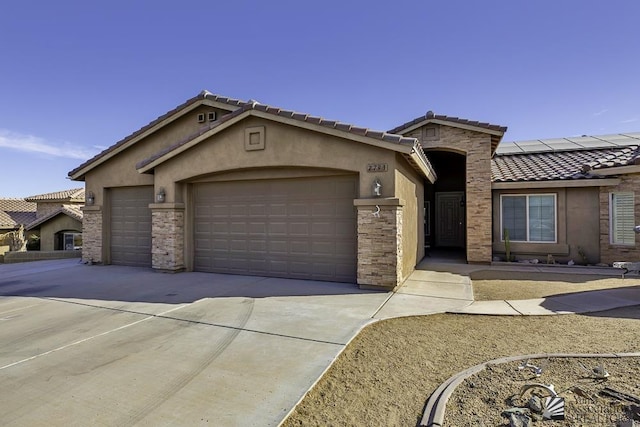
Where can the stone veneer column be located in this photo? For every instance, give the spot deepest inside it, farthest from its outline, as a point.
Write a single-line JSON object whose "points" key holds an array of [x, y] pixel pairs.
{"points": [[167, 236], [379, 243], [92, 234]]}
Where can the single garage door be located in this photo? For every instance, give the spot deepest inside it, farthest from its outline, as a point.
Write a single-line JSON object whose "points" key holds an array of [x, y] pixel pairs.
{"points": [[131, 226], [294, 228]]}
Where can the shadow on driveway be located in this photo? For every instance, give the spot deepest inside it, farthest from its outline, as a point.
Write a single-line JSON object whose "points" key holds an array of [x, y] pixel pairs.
{"points": [[71, 279]]}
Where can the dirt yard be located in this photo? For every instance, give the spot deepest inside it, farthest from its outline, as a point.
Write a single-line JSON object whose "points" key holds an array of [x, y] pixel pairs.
{"points": [[384, 377]]}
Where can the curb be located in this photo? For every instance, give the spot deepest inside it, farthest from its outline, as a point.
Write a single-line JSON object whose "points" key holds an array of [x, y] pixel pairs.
{"points": [[433, 415]]}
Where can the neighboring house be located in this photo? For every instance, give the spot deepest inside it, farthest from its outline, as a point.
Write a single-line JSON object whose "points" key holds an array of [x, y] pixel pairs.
{"points": [[13, 214], [58, 219], [573, 198], [222, 185]]}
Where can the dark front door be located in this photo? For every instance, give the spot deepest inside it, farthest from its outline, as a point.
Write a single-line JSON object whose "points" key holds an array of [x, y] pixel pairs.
{"points": [[450, 221]]}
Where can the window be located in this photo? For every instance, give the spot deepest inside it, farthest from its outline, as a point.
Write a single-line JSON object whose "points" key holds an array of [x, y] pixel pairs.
{"points": [[621, 213], [72, 241], [529, 218]]}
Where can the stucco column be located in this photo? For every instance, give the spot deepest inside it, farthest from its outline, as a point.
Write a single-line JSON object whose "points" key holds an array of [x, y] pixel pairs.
{"points": [[92, 234], [379, 243], [167, 236]]}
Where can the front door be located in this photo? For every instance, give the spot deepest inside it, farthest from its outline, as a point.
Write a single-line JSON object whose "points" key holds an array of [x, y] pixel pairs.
{"points": [[450, 221]]}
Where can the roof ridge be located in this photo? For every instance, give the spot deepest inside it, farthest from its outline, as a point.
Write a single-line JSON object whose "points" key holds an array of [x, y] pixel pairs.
{"points": [[430, 115]]}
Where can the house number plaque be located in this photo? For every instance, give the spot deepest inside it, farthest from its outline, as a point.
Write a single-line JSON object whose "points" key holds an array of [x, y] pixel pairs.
{"points": [[377, 167]]}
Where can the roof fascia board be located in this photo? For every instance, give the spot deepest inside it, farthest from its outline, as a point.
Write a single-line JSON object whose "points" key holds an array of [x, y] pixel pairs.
{"points": [[285, 120], [452, 124], [523, 185], [426, 169], [150, 131], [619, 170]]}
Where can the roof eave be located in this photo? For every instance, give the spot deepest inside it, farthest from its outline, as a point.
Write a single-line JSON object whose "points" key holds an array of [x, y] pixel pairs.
{"points": [[558, 183]]}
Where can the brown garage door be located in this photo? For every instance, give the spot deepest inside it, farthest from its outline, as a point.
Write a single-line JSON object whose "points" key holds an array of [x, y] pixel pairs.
{"points": [[296, 228], [131, 226]]}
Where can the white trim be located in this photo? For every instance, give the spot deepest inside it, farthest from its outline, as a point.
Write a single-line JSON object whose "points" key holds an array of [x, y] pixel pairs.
{"points": [[612, 232], [524, 185], [527, 195]]}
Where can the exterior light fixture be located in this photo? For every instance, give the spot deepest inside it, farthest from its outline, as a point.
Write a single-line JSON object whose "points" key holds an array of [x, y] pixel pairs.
{"points": [[377, 188], [637, 229], [91, 199], [160, 197]]}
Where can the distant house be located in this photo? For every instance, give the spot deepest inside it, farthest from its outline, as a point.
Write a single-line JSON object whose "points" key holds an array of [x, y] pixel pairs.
{"points": [[575, 198], [58, 219], [13, 214]]}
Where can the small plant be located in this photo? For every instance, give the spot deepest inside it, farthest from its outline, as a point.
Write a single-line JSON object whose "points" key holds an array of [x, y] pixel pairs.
{"points": [[583, 255], [550, 259], [507, 246]]}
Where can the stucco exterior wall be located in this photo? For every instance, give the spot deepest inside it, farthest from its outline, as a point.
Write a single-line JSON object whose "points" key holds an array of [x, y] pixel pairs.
{"points": [[576, 226], [45, 208], [410, 190], [477, 148], [610, 253], [56, 225]]}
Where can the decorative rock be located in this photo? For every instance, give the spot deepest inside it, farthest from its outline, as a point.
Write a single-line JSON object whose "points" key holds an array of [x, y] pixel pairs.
{"points": [[519, 420], [535, 404], [571, 262]]}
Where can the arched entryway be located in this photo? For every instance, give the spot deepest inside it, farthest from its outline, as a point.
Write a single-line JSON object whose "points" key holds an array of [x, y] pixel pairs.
{"points": [[445, 203]]}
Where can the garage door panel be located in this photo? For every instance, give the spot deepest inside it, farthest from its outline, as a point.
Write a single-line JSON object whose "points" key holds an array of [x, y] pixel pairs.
{"points": [[130, 225], [291, 228]]}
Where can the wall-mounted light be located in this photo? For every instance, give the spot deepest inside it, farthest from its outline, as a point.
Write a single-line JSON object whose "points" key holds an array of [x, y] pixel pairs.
{"points": [[637, 229], [377, 188], [91, 199], [160, 197]]}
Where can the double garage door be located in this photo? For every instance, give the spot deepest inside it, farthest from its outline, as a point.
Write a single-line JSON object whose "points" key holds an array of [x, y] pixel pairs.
{"points": [[294, 228]]}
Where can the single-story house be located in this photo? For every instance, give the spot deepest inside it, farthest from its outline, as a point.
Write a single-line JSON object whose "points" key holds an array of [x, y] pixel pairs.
{"points": [[222, 185], [58, 219], [13, 214]]}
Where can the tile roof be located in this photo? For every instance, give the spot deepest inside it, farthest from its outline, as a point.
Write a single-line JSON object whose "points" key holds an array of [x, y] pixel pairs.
{"points": [[561, 165], [75, 194], [432, 116], [205, 94], [289, 114], [14, 212], [74, 211]]}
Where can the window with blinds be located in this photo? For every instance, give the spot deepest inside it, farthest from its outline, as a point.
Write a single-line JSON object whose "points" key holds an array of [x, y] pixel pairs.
{"points": [[622, 219]]}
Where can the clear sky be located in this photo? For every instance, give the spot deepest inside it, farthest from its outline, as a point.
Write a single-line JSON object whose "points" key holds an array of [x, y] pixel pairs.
{"points": [[78, 76]]}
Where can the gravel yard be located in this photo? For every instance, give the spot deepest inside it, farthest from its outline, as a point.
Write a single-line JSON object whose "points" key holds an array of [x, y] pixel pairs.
{"points": [[385, 375]]}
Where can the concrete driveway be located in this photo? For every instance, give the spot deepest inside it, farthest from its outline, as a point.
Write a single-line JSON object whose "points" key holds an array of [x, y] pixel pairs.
{"points": [[110, 345]]}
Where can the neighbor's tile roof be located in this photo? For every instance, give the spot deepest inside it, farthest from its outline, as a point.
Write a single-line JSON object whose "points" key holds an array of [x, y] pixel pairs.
{"points": [[14, 212], [75, 194], [202, 95], [561, 165], [74, 211], [432, 116], [302, 117]]}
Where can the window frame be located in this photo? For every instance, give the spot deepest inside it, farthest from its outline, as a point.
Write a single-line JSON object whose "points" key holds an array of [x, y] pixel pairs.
{"points": [[613, 222], [527, 196]]}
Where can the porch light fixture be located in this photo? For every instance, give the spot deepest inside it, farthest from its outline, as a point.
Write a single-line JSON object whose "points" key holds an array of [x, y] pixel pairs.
{"points": [[91, 199], [637, 229], [377, 188], [160, 197]]}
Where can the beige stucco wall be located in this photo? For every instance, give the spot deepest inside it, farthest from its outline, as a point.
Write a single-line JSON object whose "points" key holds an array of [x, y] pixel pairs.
{"points": [[410, 190], [576, 226], [610, 253], [477, 148], [55, 225], [286, 147]]}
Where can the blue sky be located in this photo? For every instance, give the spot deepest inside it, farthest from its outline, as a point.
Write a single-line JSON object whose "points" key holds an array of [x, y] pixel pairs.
{"points": [[78, 76]]}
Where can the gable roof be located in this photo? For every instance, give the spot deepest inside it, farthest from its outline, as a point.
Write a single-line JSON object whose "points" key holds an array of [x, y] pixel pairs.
{"points": [[564, 158], [72, 195], [73, 211], [203, 98], [496, 131], [410, 147], [14, 212]]}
